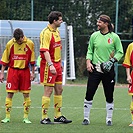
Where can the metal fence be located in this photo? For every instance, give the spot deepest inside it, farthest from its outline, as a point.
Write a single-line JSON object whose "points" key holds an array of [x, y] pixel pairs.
{"points": [[32, 30], [81, 14]]}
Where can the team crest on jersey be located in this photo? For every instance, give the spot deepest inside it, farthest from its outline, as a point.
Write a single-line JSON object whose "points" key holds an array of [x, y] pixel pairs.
{"points": [[110, 40], [25, 49]]}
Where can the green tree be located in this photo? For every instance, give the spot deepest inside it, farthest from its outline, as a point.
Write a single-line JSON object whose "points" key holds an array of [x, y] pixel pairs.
{"points": [[15, 10], [81, 14]]}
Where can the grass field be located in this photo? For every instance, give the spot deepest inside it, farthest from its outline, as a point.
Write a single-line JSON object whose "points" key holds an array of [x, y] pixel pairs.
{"points": [[73, 97]]}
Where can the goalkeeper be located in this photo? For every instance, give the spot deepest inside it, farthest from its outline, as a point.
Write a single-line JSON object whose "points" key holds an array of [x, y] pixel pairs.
{"points": [[104, 50]]}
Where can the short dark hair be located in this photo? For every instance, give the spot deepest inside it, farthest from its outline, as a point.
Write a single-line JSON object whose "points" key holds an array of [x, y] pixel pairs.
{"points": [[54, 15], [18, 33], [106, 18]]}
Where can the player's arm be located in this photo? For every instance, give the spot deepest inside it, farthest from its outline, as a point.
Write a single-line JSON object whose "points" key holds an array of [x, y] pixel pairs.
{"points": [[50, 63], [2, 73], [129, 79], [118, 49], [89, 55], [89, 66], [32, 77], [106, 66], [45, 38], [32, 61]]}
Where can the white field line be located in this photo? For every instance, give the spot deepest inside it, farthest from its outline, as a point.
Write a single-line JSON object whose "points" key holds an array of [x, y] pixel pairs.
{"points": [[121, 109]]}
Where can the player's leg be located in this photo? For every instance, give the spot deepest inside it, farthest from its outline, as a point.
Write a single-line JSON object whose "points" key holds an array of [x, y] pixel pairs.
{"points": [[8, 106], [131, 110], [58, 117], [26, 104], [45, 105], [58, 93], [108, 85], [25, 88], [109, 110], [48, 80], [11, 87], [57, 101], [92, 85], [130, 92]]}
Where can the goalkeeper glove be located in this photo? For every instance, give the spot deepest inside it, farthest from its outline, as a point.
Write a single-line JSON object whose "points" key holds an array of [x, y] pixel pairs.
{"points": [[106, 66]]}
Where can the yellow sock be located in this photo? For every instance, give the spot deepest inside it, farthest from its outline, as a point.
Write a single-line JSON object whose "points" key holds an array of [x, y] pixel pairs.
{"points": [[45, 106], [131, 109], [8, 104], [57, 105], [26, 104]]}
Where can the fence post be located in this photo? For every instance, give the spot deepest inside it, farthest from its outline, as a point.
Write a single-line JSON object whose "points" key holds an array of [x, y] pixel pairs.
{"points": [[32, 10], [116, 30], [9, 21]]}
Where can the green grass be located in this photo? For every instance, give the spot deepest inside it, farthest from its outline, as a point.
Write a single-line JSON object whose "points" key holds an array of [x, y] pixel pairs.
{"points": [[82, 80], [73, 97]]}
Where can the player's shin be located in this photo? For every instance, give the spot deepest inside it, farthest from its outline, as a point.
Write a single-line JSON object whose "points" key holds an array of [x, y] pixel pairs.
{"points": [[131, 110], [109, 109], [8, 105], [87, 108], [26, 104], [45, 106], [57, 105]]}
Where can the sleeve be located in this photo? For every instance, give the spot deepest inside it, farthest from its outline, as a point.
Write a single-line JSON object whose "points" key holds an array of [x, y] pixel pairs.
{"points": [[128, 56], [44, 41], [118, 48], [32, 61], [5, 56], [90, 49]]}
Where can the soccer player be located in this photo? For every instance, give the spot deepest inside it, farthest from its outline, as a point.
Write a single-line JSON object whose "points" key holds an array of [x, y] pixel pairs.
{"points": [[128, 64], [18, 55], [51, 69], [104, 50]]}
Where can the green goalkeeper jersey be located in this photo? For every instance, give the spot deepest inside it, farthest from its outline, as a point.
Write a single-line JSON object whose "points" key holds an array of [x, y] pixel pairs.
{"points": [[102, 47]]}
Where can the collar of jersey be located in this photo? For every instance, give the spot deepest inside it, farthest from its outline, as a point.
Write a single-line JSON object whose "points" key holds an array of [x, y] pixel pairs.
{"points": [[50, 28], [104, 33], [25, 39]]}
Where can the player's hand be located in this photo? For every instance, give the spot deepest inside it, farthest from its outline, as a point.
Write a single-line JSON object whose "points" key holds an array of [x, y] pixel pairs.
{"points": [[98, 67], [32, 76], [1, 77], [129, 79], [106, 66], [52, 69], [89, 67]]}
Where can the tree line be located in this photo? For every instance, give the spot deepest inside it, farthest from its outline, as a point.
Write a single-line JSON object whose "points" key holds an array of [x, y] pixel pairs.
{"points": [[81, 14]]}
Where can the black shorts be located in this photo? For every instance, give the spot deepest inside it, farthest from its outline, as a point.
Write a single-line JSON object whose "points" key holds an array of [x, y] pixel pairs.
{"points": [[108, 82]]}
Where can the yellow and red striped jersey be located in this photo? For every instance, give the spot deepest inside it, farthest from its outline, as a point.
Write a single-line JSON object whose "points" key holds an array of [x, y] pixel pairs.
{"points": [[128, 61], [19, 56], [50, 40]]}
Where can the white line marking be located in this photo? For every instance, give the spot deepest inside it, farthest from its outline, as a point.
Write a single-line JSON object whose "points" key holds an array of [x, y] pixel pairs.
{"points": [[19, 107]]}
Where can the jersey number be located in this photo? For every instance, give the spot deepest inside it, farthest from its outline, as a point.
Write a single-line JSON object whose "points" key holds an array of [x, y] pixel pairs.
{"points": [[50, 78], [8, 85]]}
